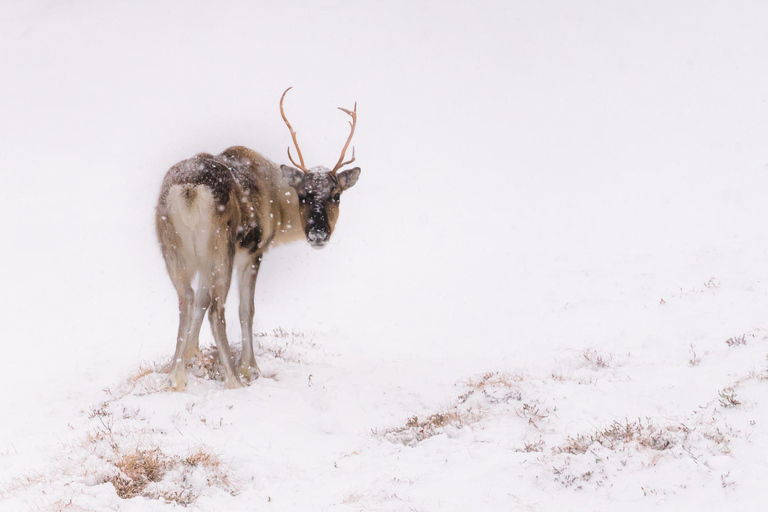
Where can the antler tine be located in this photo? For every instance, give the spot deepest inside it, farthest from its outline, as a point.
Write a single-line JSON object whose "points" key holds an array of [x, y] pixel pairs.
{"points": [[341, 163], [293, 136], [350, 160]]}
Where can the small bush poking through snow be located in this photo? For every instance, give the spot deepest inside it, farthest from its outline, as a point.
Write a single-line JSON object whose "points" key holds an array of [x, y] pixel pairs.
{"points": [[492, 389], [418, 429], [596, 359], [735, 341], [136, 470], [728, 398], [66, 506], [638, 433], [695, 359], [532, 446], [125, 456]]}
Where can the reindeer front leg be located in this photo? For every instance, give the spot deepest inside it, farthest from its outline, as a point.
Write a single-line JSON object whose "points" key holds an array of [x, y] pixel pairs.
{"points": [[248, 367]]}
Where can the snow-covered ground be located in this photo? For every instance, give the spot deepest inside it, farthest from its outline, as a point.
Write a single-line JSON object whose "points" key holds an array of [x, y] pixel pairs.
{"points": [[548, 290]]}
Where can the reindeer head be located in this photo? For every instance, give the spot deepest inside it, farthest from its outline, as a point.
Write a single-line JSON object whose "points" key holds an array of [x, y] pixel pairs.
{"points": [[319, 189]]}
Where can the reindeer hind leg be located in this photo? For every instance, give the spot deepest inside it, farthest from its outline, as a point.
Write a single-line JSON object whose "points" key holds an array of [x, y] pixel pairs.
{"points": [[222, 277], [201, 305], [181, 276]]}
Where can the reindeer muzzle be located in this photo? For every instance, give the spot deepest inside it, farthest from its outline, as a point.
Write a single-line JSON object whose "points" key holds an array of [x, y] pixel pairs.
{"points": [[318, 237]]}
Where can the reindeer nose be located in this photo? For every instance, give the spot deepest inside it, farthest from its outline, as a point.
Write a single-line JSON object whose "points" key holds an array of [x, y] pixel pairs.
{"points": [[318, 236]]}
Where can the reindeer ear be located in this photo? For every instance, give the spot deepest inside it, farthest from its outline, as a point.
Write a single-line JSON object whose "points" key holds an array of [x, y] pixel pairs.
{"points": [[348, 178], [291, 175]]}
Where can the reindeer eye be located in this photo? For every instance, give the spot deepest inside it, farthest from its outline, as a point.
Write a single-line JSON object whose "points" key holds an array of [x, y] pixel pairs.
{"points": [[336, 198]]}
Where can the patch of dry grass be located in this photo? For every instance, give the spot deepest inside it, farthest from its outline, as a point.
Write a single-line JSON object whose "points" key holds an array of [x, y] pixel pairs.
{"points": [[292, 346], [494, 387], [536, 446], [155, 474], [65, 506], [532, 413], [22, 482], [596, 359], [127, 457], [735, 341], [728, 398], [695, 359], [641, 434], [494, 379], [279, 332], [142, 371], [137, 469], [418, 429]]}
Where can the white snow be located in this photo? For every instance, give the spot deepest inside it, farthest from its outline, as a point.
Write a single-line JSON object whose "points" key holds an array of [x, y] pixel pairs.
{"points": [[534, 298]]}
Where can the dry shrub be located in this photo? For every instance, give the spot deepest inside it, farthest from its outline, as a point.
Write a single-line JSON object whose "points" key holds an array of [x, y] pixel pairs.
{"points": [[418, 429], [532, 446], [21, 482], [728, 398], [494, 387], [283, 349], [596, 359], [279, 332], [638, 433], [66, 506], [154, 474], [568, 477], [142, 371], [146, 379], [532, 413], [352, 497], [137, 470], [98, 411], [735, 341], [127, 457], [695, 359], [726, 482], [494, 379], [202, 458]]}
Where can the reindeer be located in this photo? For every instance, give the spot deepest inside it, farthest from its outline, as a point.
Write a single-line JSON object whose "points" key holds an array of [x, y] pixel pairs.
{"points": [[219, 214]]}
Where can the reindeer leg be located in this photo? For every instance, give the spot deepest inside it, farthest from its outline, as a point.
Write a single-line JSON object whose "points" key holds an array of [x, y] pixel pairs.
{"points": [[181, 276], [248, 368], [222, 275], [178, 373], [202, 303]]}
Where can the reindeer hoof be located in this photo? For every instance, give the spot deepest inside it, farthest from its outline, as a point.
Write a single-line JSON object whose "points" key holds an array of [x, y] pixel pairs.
{"points": [[249, 372], [178, 380], [233, 383]]}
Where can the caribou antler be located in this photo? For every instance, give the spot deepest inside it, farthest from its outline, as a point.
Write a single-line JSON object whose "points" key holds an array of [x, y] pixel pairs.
{"points": [[293, 136], [341, 163]]}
